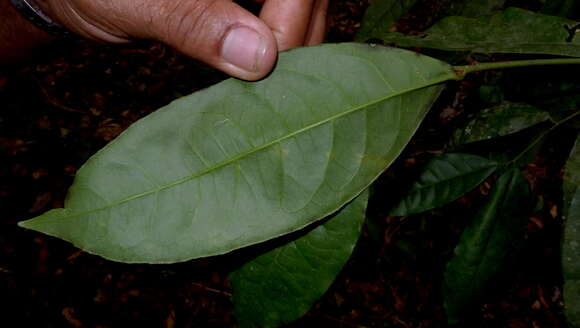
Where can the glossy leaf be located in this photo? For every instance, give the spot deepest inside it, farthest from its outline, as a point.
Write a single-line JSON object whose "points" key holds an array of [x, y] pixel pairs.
{"points": [[381, 15], [281, 285], [499, 121], [511, 31], [241, 163], [444, 179], [486, 245], [571, 244]]}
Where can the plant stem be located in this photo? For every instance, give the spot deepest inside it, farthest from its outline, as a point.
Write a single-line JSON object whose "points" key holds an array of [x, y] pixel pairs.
{"points": [[461, 71], [542, 136]]}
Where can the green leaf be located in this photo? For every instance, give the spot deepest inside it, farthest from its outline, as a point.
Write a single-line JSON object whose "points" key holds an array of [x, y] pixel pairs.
{"points": [[571, 261], [486, 244], [475, 8], [381, 15], [515, 150], [499, 121], [511, 31], [539, 134], [241, 163], [572, 173], [281, 285], [571, 244], [444, 179]]}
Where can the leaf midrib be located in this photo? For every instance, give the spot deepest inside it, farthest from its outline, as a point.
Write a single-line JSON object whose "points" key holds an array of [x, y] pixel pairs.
{"points": [[500, 202], [443, 78]]}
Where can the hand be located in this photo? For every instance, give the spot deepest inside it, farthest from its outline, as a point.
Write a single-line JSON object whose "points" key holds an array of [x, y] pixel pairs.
{"points": [[217, 32]]}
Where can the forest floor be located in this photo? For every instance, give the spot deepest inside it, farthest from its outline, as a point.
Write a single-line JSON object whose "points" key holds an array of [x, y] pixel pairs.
{"points": [[65, 104]]}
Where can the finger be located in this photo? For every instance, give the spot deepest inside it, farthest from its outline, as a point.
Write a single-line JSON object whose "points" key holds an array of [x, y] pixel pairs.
{"points": [[219, 33], [317, 29], [90, 20], [288, 20]]}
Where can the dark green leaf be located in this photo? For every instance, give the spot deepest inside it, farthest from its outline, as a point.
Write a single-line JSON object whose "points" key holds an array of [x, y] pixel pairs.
{"points": [[491, 94], [571, 261], [444, 179], [486, 245], [514, 150], [572, 173], [380, 16], [280, 286], [476, 8], [240, 163], [498, 121], [571, 245], [511, 31]]}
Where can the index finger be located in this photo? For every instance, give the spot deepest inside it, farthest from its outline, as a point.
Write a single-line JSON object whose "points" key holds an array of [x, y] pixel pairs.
{"points": [[289, 21]]}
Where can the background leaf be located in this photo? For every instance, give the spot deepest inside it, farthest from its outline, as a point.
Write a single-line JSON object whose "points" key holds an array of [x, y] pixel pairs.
{"points": [[571, 244], [557, 92], [486, 244], [499, 121], [381, 15], [444, 179], [281, 285], [240, 163], [476, 8], [511, 31]]}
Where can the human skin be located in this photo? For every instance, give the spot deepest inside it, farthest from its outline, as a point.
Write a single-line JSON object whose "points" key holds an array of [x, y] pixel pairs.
{"points": [[217, 32], [18, 38]]}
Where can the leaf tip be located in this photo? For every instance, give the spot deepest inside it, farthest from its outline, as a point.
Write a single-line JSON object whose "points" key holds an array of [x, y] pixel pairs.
{"points": [[28, 224], [37, 223]]}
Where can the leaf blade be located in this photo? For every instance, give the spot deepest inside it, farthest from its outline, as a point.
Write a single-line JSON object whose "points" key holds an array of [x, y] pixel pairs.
{"points": [[284, 283], [444, 179], [570, 249], [511, 31], [476, 8], [381, 15], [485, 243], [501, 120], [276, 152]]}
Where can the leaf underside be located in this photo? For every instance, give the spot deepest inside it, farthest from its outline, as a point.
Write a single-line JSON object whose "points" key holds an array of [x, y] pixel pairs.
{"points": [[281, 285], [511, 31], [240, 163], [571, 244], [486, 245], [444, 179]]}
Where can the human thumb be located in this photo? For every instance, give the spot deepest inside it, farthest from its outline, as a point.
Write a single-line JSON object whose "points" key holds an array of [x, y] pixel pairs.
{"points": [[219, 33]]}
